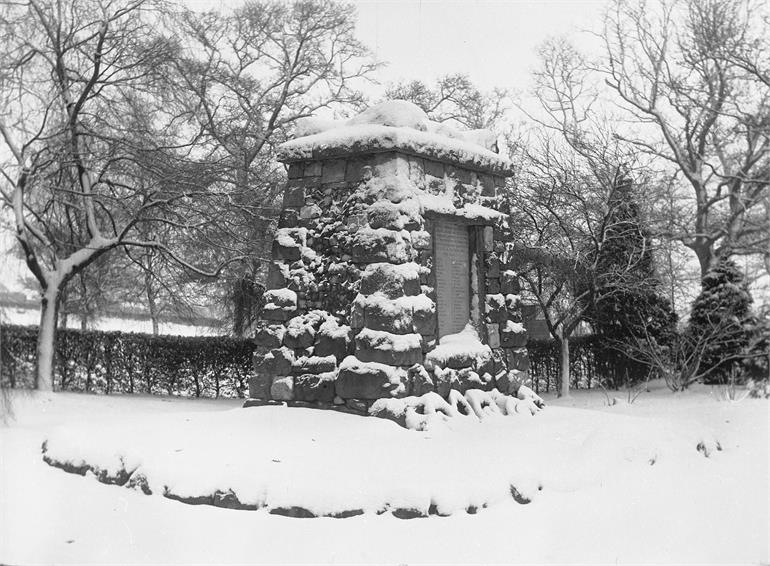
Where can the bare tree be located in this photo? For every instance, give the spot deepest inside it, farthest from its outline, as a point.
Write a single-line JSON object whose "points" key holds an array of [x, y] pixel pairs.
{"points": [[242, 78], [454, 98], [571, 166], [693, 75], [83, 117]]}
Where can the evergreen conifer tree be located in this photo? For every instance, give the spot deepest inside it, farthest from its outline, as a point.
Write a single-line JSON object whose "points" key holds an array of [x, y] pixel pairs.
{"points": [[629, 305], [721, 323]]}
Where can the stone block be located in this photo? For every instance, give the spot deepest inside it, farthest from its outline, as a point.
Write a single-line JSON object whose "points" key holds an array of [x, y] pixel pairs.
{"points": [[488, 237], [270, 336], [445, 380], [424, 318], [282, 388], [357, 405], [509, 283], [259, 385], [313, 169], [284, 298], [387, 315], [493, 335], [417, 170], [420, 380], [384, 214], [294, 194], [333, 171], [518, 359], [390, 164], [421, 240], [357, 318], [332, 345], [310, 211], [277, 361], [493, 286], [487, 183], [508, 382], [492, 265], [467, 379], [299, 337], [485, 364], [296, 171], [314, 388], [428, 342], [495, 310], [513, 335], [358, 170], [289, 218], [434, 168], [277, 275], [285, 252], [378, 245], [435, 185], [388, 348], [314, 364], [392, 280], [362, 380], [276, 313]]}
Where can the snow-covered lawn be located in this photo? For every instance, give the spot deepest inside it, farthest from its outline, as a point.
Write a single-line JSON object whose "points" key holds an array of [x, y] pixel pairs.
{"points": [[620, 484]]}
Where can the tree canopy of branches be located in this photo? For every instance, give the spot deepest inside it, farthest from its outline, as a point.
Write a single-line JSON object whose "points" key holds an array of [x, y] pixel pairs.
{"points": [[241, 79], [97, 160], [565, 222], [694, 76], [454, 98]]}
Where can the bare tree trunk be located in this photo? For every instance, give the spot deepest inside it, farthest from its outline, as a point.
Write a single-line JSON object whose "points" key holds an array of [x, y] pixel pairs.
{"points": [[563, 366], [151, 303], [46, 339], [705, 254]]}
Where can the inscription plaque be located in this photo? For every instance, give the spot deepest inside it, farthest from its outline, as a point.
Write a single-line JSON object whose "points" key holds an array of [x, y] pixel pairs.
{"points": [[452, 276]]}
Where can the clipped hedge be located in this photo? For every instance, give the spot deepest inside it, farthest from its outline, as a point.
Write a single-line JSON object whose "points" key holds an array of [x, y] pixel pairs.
{"points": [[120, 362], [219, 366], [592, 362]]}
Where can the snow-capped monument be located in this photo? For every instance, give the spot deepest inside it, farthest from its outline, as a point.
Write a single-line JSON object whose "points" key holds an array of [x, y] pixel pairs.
{"points": [[386, 279]]}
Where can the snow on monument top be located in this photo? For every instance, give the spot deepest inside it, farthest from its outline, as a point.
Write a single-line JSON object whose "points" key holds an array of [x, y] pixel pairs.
{"points": [[395, 125]]}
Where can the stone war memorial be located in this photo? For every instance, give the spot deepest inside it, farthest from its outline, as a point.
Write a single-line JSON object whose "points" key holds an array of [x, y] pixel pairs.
{"points": [[388, 292]]}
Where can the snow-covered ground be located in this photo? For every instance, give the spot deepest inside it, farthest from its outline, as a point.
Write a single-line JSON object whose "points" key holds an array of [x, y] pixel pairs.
{"points": [[620, 484]]}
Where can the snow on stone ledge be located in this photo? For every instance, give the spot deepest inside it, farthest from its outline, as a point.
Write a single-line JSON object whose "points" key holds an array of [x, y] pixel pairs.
{"points": [[442, 204], [395, 125], [465, 343]]}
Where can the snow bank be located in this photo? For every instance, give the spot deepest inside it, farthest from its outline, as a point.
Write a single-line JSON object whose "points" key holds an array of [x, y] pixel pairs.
{"points": [[304, 462], [656, 513]]}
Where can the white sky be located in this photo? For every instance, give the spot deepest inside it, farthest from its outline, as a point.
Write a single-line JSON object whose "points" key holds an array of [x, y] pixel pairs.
{"points": [[493, 41]]}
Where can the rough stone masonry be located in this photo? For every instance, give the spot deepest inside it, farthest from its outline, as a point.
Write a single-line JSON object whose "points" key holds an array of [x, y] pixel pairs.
{"points": [[386, 278]]}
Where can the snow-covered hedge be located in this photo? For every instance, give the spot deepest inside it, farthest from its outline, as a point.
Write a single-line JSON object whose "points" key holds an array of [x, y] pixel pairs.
{"points": [[118, 362]]}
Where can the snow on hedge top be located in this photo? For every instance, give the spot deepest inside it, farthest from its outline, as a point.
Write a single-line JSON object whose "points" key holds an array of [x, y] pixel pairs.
{"points": [[394, 125]]}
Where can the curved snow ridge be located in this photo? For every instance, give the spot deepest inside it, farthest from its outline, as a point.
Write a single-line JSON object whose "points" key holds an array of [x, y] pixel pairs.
{"points": [[402, 507]]}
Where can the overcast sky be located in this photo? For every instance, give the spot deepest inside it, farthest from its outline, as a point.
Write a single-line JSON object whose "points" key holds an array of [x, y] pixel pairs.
{"points": [[492, 41]]}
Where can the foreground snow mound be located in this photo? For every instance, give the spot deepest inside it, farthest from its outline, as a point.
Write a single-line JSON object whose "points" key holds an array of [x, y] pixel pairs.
{"points": [[305, 462]]}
